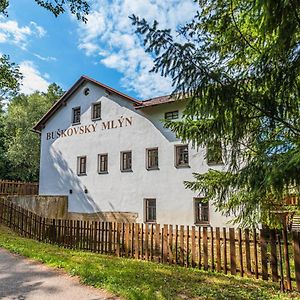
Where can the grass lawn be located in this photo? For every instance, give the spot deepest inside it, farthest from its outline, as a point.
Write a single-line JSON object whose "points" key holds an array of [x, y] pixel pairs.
{"points": [[134, 279]]}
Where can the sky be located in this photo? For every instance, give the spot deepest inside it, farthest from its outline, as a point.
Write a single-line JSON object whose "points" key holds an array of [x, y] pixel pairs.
{"points": [[106, 48]]}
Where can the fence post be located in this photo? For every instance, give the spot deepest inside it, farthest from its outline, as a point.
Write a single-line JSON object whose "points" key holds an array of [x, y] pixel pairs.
{"points": [[296, 244], [255, 253], [241, 251], [205, 249], [218, 248], [225, 250], [1, 210], [287, 259], [280, 264], [10, 214], [181, 240], [232, 251], [273, 258], [263, 249]]}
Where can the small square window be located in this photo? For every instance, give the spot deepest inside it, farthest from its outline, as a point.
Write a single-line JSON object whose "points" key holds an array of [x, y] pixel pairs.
{"points": [[214, 153], [76, 115], [201, 211], [152, 158], [103, 163], [171, 115], [181, 156], [150, 210], [126, 161], [81, 165], [96, 111]]}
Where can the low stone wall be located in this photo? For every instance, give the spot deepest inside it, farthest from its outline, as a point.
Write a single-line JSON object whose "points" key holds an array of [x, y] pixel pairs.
{"points": [[122, 217], [53, 207], [56, 207]]}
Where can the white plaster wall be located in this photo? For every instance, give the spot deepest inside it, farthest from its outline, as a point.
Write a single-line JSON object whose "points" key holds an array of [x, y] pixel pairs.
{"points": [[118, 191]]}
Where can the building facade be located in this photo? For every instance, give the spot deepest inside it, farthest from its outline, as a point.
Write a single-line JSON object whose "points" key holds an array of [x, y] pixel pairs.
{"points": [[111, 153]]}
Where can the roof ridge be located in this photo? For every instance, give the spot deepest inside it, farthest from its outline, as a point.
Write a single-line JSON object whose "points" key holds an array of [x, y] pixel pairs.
{"points": [[169, 95]]}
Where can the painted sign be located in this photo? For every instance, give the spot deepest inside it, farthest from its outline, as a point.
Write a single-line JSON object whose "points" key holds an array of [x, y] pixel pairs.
{"points": [[90, 128]]}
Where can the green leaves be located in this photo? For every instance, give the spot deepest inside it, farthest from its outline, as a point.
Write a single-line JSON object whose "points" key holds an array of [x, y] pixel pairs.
{"points": [[10, 77], [239, 69], [79, 8], [20, 143]]}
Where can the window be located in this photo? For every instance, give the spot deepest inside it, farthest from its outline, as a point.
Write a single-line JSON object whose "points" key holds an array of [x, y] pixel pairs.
{"points": [[201, 211], [181, 156], [126, 161], [96, 111], [103, 163], [86, 91], [152, 158], [76, 115], [81, 165], [214, 153], [171, 115], [150, 210]]}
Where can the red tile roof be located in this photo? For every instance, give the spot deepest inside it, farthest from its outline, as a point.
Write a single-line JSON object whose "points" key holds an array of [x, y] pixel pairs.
{"points": [[156, 101]]}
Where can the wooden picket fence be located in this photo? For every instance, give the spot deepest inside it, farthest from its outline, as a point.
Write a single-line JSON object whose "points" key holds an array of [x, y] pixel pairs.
{"points": [[269, 255], [8, 187]]}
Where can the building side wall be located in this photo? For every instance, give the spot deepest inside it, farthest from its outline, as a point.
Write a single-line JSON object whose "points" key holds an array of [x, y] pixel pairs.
{"points": [[119, 191]]}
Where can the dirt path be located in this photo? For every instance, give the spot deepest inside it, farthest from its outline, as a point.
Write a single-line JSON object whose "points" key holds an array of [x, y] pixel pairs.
{"points": [[22, 279]]}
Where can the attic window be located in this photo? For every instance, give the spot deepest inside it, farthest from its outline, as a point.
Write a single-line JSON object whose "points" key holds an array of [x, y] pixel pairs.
{"points": [[86, 91]]}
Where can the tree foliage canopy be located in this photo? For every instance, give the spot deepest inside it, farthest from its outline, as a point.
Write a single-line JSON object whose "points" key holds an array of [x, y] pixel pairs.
{"points": [[10, 75], [239, 65], [21, 159], [9, 78], [79, 8]]}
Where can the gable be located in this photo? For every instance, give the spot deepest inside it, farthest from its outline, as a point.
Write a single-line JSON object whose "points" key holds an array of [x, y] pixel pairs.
{"points": [[68, 95]]}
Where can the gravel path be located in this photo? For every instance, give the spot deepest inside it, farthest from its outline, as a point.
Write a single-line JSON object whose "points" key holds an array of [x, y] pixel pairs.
{"points": [[22, 279]]}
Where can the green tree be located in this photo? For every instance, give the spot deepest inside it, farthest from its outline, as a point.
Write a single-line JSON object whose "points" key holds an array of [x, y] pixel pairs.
{"points": [[79, 8], [9, 78], [22, 145], [9, 72], [239, 66]]}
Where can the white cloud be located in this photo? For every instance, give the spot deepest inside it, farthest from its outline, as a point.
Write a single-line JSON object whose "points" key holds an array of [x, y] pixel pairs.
{"points": [[88, 47], [109, 35], [33, 80], [45, 58], [12, 32], [40, 31]]}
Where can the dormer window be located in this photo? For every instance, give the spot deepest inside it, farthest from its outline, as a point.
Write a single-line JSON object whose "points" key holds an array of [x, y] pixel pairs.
{"points": [[96, 111], [76, 115], [171, 115]]}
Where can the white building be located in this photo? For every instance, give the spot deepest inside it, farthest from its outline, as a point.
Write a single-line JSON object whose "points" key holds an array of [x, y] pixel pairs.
{"points": [[111, 153]]}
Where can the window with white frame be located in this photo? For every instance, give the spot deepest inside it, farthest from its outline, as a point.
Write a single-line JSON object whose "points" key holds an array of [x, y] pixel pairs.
{"points": [[96, 111], [214, 153], [152, 158], [126, 161], [150, 210], [81, 165], [103, 163], [171, 115], [201, 211], [181, 156], [76, 113]]}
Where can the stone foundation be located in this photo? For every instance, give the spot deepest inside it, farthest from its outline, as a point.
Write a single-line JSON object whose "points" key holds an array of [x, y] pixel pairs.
{"points": [[53, 207], [56, 207]]}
